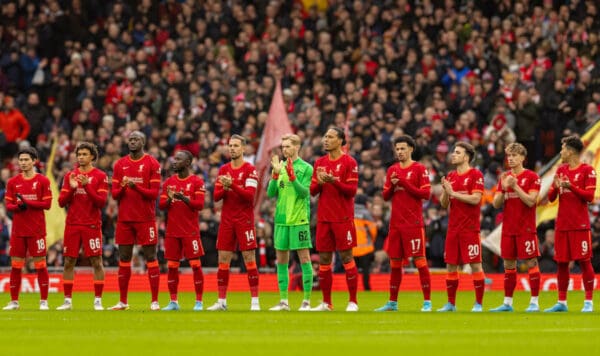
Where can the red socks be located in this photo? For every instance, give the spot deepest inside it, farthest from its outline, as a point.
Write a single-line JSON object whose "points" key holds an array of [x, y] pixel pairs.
{"points": [[153, 278], [198, 279], [43, 278], [510, 282], [173, 278], [223, 280], [325, 282], [124, 277], [351, 279], [452, 286], [534, 281], [252, 278], [395, 279]]}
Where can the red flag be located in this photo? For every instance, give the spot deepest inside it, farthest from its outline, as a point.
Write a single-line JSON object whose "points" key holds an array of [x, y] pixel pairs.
{"points": [[277, 125]]}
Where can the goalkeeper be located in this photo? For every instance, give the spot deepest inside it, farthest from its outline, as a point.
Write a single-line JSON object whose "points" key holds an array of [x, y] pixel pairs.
{"points": [[290, 183]]}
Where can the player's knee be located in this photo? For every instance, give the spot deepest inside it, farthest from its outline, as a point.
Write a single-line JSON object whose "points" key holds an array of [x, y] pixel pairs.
{"points": [[70, 262], [96, 262], [532, 263], [510, 264]]}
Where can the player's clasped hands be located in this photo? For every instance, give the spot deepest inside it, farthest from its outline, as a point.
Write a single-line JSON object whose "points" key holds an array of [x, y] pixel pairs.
{"points": [[323, 176], [394, 178], [127, 182], [73, 182], [226, 180], [447, 186], [276, 164], [83, 179], [508, 181], [289, 168], [562, 182]]}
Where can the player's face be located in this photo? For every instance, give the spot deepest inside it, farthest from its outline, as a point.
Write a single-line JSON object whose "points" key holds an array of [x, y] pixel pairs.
{"points": [[514, 160], [236, 149], [403, 151], [25, 162], [565, 153], [180, 162], [84, 157], [331, 141], [459, 156], [288, 149], [135, 142]]}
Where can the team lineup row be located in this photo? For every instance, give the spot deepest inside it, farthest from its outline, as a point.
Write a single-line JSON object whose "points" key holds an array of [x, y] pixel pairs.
{"points": [[136, 185]]}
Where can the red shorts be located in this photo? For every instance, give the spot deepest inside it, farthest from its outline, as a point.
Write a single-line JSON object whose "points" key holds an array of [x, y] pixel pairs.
{"points": [[78, 235], [462, 247], [233, 236], [19, 246], [519, 247], [335, 236], [572, 245], [142, 233], [405, 242], [178, 247]]}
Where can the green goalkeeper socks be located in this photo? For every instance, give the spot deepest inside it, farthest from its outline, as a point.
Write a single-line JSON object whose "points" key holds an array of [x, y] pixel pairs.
{"points": [[283, 280], [307, 279]]}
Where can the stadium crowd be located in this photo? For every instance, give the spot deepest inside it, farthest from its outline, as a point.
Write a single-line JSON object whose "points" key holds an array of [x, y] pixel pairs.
{"points": [[189, 74]]}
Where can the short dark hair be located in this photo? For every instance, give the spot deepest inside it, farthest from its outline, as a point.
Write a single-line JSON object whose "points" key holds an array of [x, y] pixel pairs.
{"points": [[469, 149], [87, 146], [188, 154], [573, 142], [238, 137], [340, 134], [32, 152], [406, 139]]}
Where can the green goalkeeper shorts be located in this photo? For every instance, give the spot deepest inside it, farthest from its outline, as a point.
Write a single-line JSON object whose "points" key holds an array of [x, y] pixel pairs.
{"points": [[292, 237]]}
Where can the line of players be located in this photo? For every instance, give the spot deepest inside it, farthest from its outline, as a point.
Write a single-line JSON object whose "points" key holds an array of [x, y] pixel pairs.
{"points": [[136, 186]]}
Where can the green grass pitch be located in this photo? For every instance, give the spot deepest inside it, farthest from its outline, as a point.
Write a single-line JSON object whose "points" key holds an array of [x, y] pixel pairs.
{"points": [[238, 331]]}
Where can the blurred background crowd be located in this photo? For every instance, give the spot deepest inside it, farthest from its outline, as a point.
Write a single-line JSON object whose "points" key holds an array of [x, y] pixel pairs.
{"points": [[189, 74]]}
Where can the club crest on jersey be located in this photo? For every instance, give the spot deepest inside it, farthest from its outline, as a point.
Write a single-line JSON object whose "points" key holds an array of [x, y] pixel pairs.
{"points": [[408, 175], [337, 167], [576, 177], [240, 175], [141, 168], [466, 181], [188, 186], [35, 185], [523, 181]]}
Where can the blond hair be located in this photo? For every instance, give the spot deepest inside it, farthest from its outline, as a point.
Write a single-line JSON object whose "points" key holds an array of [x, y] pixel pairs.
{"points": [[294, 139], [516, 148]]}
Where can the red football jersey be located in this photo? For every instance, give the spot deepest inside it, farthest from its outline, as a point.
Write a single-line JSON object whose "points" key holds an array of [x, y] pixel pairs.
{"points": [[84, 204], [182, 219], [463, 216], [518, 217], [336, 200], [136, 204], [407, 207], [572, 210], [36, 193], [238, 202]]}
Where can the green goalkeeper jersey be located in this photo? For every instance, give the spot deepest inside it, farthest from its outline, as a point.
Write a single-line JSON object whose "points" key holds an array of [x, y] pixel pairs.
{"points": [[293, 198]]}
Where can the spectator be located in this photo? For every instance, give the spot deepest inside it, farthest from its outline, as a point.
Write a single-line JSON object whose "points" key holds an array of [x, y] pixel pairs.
{"points": [[13, 125]]}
